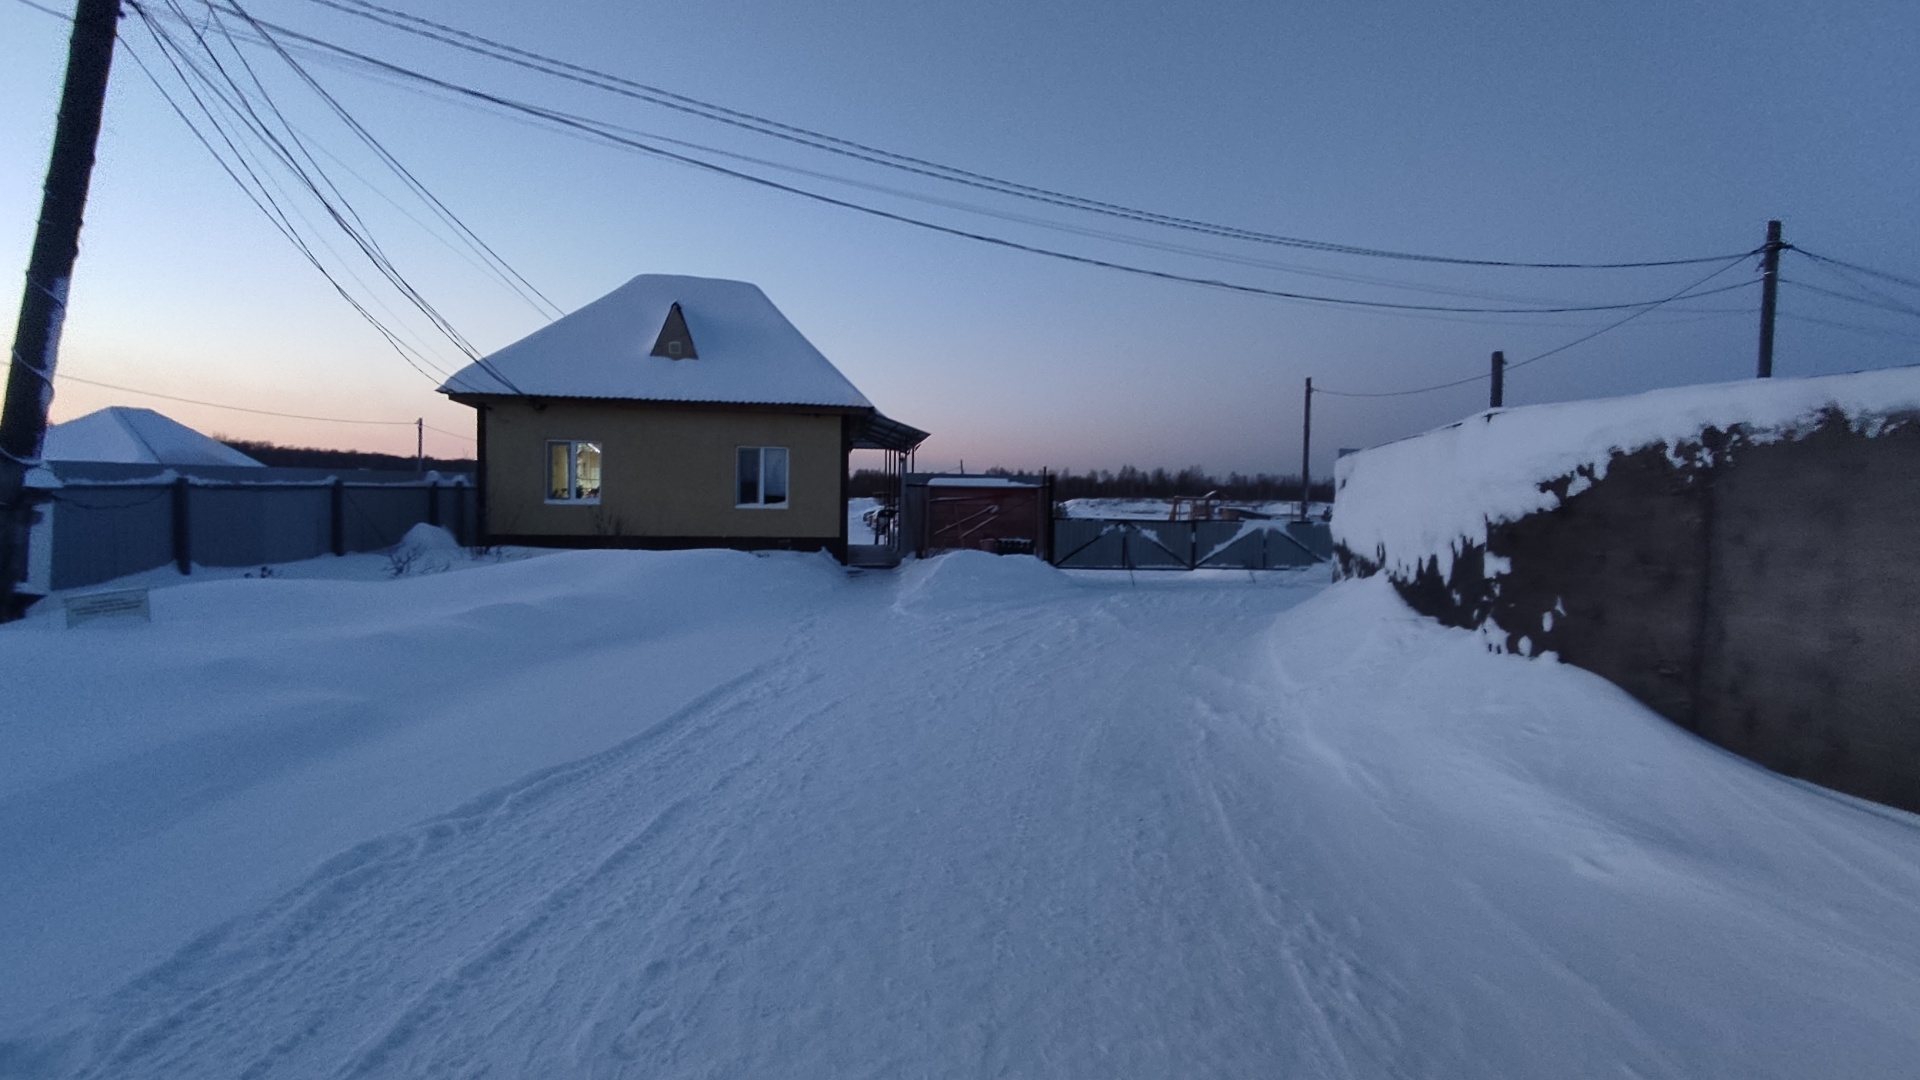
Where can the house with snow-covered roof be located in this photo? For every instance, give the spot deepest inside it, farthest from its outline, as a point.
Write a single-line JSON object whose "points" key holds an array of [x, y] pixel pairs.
{"points": [[672, 412], [130, 436]]}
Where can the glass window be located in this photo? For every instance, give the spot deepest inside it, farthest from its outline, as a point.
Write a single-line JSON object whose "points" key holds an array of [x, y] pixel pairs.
{"points": [[747, 487], [573, 471], [760, 476], [773, 473], [558, 481], [586, 470]]}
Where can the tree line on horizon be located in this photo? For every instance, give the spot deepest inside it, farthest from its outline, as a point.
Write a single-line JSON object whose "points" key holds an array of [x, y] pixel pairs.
{"points": [[313, 457]]}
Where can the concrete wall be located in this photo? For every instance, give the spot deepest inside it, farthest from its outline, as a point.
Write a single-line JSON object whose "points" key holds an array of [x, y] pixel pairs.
{"points": [[1769, 602], [667, 472]]}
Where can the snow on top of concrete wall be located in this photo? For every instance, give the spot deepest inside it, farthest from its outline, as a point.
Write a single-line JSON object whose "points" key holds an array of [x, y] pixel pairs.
{"points": [[1435, 494]]}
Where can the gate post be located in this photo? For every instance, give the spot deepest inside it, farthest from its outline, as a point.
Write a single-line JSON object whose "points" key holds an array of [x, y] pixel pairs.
{"points": [[337, 499], [182, 525]]}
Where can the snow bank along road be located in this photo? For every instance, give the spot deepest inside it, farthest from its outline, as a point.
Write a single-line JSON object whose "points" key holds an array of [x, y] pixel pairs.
{"points": [[708, 814]]}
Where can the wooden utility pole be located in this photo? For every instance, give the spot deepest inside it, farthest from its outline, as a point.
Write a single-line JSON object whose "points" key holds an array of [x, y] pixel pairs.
{"points": [[1306, 451], [1769, 292], [420, 445], [43, 306], [1497, 397]]}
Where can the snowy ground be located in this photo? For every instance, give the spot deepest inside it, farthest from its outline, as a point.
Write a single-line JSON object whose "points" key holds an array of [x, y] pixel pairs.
{"points": [[858, 531], [717, 814]]}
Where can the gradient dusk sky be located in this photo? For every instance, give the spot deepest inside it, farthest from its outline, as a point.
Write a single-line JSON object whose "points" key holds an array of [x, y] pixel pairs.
{"points": [[1506, 130]]}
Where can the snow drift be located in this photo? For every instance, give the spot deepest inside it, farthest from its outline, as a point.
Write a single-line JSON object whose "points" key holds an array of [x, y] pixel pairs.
{"points": [[717, 814]]}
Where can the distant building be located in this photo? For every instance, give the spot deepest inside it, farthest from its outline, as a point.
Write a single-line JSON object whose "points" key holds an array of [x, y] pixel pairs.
{"points": [[130, 436], [982, 513], [672, 412]]}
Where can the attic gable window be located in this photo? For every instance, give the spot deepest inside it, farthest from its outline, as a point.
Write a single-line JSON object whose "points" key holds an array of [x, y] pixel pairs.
{"points": [[675, 342]]}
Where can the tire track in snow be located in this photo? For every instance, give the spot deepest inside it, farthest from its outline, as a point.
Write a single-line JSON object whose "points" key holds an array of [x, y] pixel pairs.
{"points": [[228, 967]]}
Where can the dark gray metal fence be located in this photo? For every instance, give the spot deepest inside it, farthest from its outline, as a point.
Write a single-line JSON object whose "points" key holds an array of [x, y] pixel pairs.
{"points": [[1107, 544], [100, 529]]}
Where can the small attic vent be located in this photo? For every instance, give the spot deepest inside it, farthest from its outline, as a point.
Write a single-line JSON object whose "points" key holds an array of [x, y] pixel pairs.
{"points": [[675, 342]]}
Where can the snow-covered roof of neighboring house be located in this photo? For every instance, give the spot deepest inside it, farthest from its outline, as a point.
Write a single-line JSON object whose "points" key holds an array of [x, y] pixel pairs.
{"points": [[743, 351], [978, 482], [136, 436]]}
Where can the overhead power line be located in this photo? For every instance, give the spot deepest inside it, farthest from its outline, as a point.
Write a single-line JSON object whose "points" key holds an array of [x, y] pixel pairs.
{"points": [[494, 49], [615, 138], [257, 191], [407, 289], [1855, 281], [1868, 270], [64, 377], [1897, 308], [1871, 331], [507, 278], [263, 200], [268, 128], [1682, 294], [511, 277], [583, 127], [56, 13]]}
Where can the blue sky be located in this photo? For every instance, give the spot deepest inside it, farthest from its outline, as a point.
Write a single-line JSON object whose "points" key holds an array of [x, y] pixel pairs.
{"points": [[1526, 131]]}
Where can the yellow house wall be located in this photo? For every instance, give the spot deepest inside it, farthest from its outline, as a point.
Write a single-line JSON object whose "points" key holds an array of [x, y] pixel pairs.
{"points": [[665, 471]]}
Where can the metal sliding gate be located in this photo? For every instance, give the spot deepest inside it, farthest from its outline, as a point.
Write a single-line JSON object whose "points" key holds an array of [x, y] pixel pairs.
{"points": [[1107, 544]]}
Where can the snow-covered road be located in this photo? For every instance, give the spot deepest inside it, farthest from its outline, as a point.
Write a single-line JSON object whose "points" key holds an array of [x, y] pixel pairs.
{"points": [[976, 818]]}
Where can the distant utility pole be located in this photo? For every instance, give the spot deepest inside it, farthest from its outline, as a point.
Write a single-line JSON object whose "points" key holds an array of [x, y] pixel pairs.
{"points": [[1769, 291], [420, 445], [1497, 397], [43, 306], [1769, 294], [1306, 451]]}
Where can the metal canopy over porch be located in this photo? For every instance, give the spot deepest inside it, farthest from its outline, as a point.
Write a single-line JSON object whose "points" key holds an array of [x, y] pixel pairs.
{"points": [[881, 432]]}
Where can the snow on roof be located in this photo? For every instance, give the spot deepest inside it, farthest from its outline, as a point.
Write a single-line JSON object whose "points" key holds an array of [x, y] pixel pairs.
{"points": [[136, 436], [1434, 494], [747, 351], [978, 482]]}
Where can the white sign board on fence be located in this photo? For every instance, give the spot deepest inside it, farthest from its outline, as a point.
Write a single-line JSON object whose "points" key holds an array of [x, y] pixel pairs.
{"points": [[122, 603]]}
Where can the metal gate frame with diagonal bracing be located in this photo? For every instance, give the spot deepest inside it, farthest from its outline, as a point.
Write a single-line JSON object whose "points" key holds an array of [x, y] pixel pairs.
{"points": [[1114, 544]]}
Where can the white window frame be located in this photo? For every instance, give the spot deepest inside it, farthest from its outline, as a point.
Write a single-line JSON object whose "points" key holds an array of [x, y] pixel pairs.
{"points": [[760, 485], [573, 466]]}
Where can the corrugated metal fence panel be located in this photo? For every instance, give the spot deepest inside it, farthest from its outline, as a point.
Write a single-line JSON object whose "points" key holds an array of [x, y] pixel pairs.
{"points": [[1228, 545], [1087, 544], [1099, 544], [101, 533], [108, 532], [1285, 552], [254, 526], [1317, 536], [378, 517], [456, 508], [1160, 545]]}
